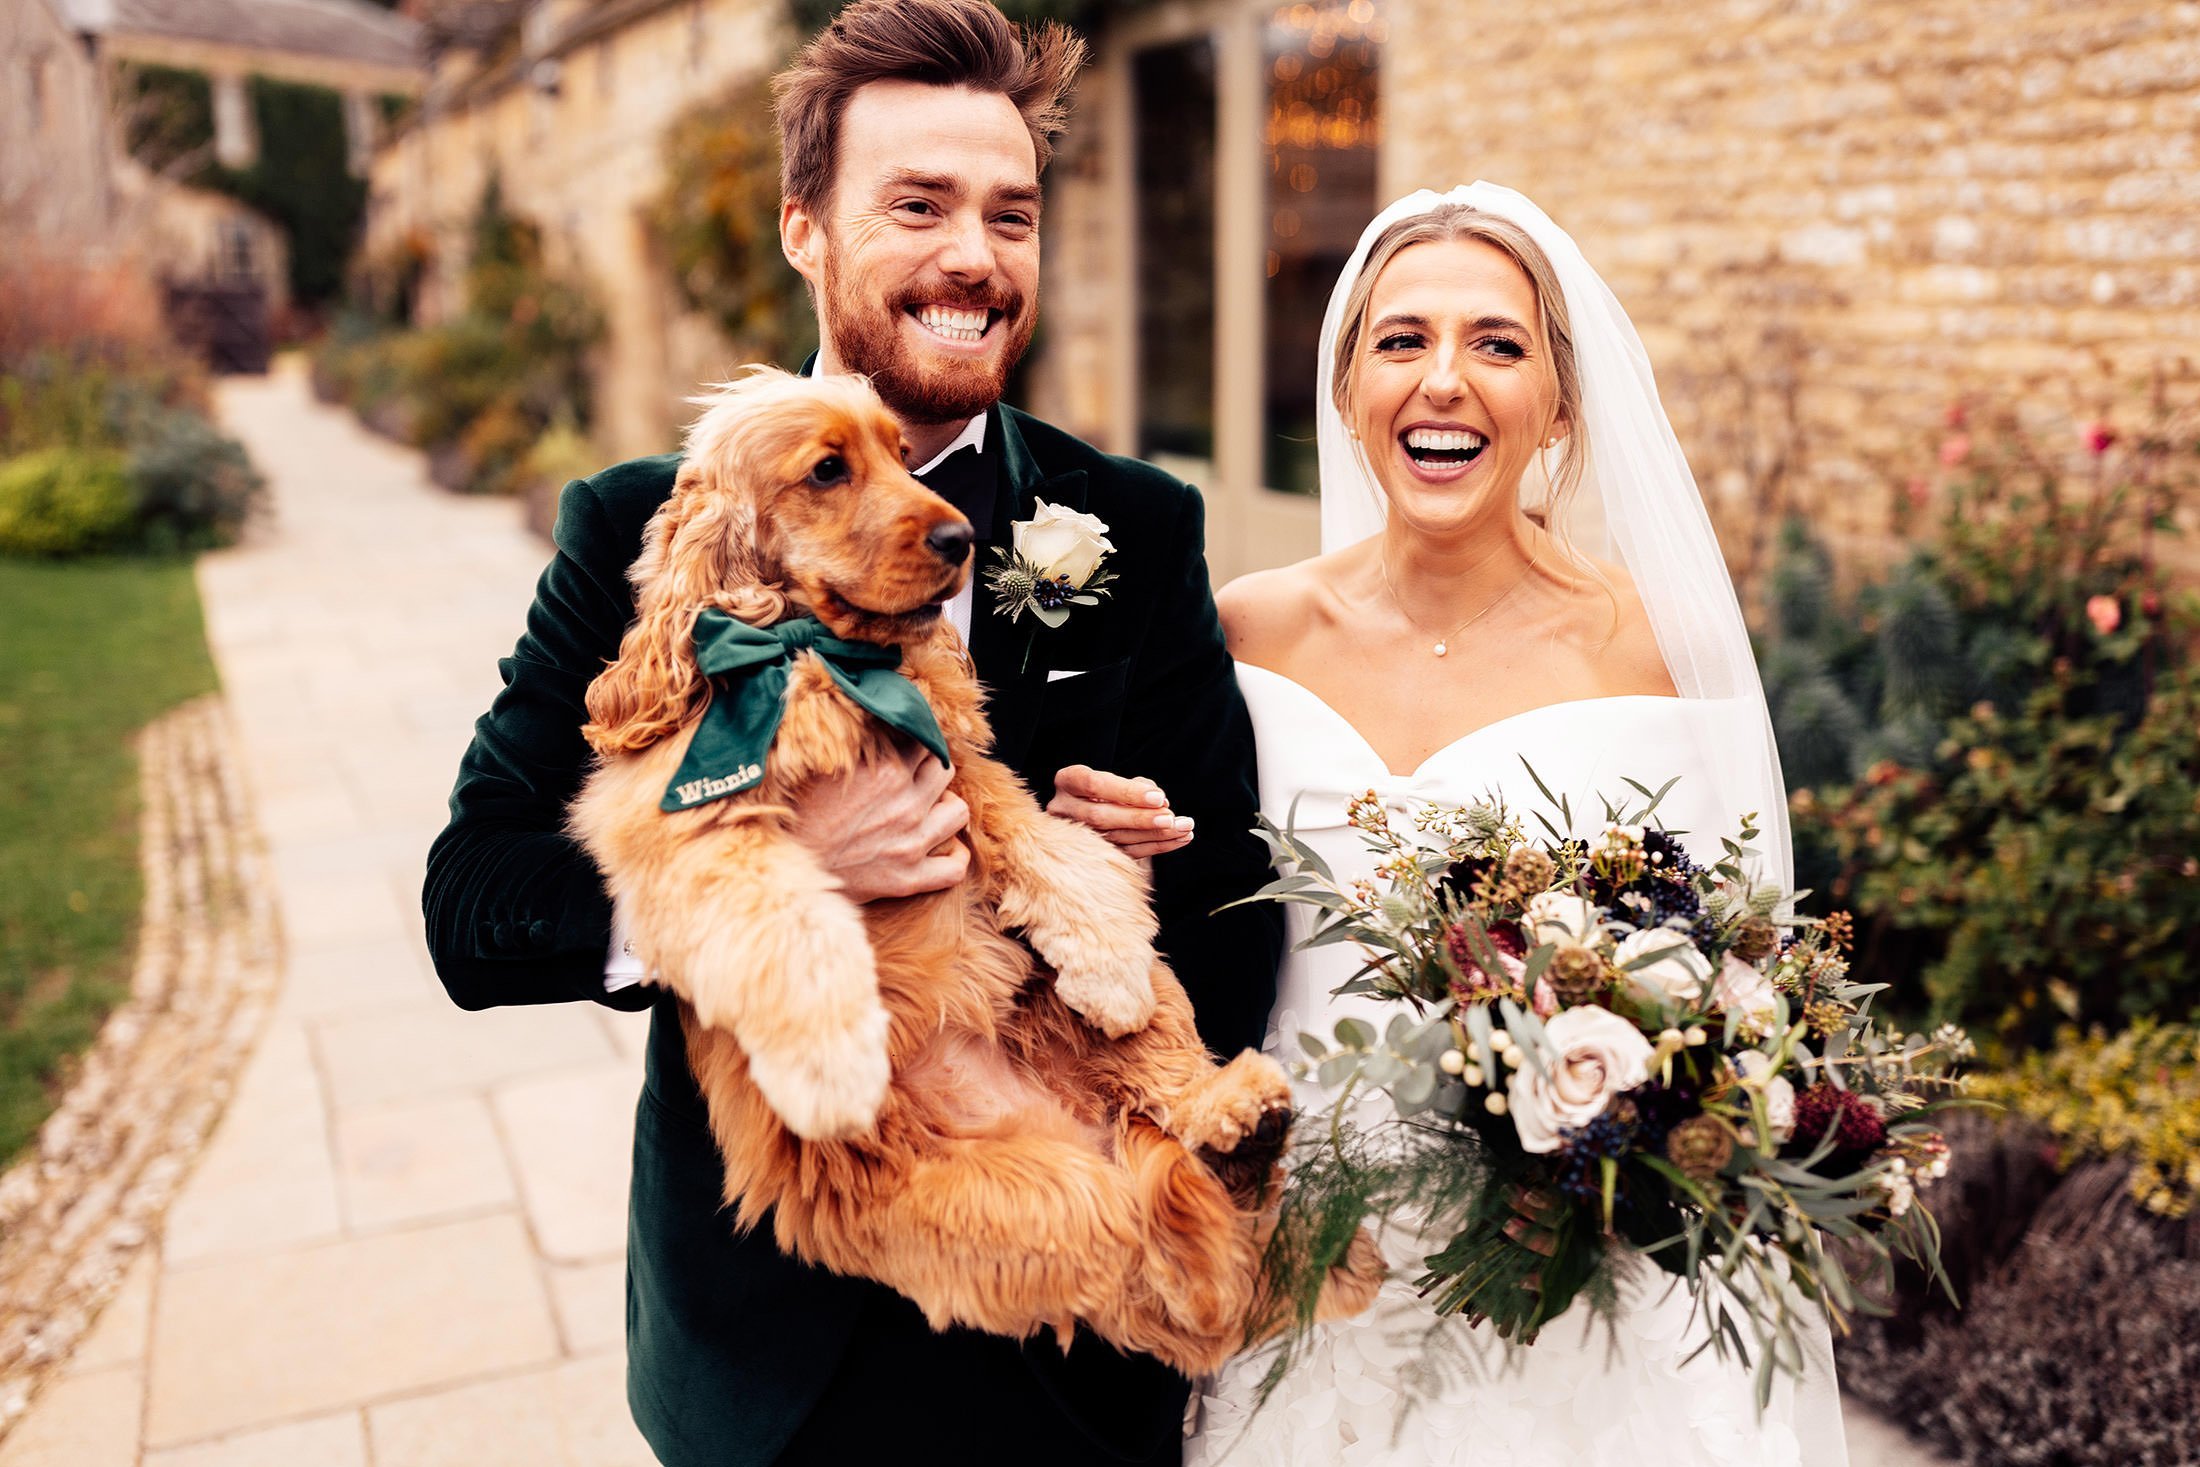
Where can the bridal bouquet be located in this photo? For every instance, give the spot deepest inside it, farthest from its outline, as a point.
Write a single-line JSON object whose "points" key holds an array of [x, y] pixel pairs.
{"points": [[1599, 1049]]}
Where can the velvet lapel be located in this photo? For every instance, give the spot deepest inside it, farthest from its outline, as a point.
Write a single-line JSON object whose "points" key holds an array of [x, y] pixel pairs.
{"points": [[1014, 681]]}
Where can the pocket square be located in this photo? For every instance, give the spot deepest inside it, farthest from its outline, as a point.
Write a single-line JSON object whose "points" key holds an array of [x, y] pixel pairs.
{"points": [[1056, 674]]}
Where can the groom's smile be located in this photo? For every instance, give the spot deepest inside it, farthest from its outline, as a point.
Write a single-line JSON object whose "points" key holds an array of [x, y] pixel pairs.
{"points": [[925, 257]]}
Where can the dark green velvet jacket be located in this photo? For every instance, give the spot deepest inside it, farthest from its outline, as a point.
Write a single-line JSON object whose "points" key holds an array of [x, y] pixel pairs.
{"points": [[731, 1343]]}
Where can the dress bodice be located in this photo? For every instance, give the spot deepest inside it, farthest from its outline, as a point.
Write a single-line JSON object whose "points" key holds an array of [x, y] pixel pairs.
{"points": [[1313, 763]]}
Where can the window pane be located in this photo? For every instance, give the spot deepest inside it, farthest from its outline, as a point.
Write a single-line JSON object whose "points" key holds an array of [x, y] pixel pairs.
{"points": [[1322, 131], [1174, 184]]}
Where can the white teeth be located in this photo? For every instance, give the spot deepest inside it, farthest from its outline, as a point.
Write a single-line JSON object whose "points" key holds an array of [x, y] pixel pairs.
{"points": [[1434, 440], [955, 325]]}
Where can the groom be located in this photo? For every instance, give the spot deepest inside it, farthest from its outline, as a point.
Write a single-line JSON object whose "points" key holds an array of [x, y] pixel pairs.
{"points": [[913, 134]]}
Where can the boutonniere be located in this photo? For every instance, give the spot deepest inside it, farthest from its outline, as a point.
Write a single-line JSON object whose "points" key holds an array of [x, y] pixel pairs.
{"points": [[1058, 559]]}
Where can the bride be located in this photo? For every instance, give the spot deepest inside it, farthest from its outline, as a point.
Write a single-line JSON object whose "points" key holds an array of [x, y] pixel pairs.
{"points": [[1489, 416]]}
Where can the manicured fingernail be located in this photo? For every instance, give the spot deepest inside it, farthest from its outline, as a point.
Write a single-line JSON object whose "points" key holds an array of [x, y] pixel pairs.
{"points": [[1156, 798], [1184, 823], [1163, 822]]}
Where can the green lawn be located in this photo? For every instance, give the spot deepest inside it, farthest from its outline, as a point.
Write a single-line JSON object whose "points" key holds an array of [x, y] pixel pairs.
{"points": [[90, 652]]}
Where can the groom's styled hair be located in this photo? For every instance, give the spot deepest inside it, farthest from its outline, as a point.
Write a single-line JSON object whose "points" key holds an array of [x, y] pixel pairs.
{"points": [[946, 43]]}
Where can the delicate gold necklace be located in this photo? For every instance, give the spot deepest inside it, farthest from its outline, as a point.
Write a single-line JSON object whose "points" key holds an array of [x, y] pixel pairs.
{"points": [[1443, 643]]}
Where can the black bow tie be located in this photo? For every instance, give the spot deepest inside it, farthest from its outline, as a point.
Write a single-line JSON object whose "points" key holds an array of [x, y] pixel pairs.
{"points": [[966, 479]]}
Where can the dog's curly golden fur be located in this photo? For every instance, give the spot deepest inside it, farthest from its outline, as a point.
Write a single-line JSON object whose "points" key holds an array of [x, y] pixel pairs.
{"points": [[990, 1098]]}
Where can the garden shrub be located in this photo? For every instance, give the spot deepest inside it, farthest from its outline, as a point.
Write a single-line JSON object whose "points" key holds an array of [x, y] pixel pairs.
{"points": [[2133, 1097], [99, 386], [1991, 747], [2081, 1349], [64, 501], [477, 391], [2040, 871], [194, 487]]}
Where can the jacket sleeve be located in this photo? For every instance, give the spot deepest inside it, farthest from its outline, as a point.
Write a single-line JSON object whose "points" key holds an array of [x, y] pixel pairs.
{"points": [[516, 911], [1185, 727]]}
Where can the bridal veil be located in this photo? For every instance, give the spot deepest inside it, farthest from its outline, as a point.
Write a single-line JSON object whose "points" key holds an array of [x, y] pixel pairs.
{"points": [[1636, 505]]}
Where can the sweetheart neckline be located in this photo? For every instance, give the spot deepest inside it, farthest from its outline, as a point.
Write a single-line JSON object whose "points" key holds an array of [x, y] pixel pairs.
{"points": [[1471, 734]]}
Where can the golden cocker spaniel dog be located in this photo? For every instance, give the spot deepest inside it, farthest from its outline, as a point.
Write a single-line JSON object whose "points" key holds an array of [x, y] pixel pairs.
{"points": [[990, 1098]]}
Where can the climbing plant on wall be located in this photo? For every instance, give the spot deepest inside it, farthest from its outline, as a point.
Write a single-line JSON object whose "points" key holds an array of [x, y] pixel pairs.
{"points": [[717, 222], [300, 178]]}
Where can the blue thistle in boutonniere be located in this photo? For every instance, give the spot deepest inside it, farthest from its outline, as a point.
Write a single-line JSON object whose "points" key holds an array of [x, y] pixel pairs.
{"points": [[1057, 560]]}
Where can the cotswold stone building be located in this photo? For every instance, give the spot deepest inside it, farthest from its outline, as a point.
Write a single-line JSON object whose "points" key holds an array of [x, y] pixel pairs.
{"points": [[68, 187], [1826, 218], [567, 102]]}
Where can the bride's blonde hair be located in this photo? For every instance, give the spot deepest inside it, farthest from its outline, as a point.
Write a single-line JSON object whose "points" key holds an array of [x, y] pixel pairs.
{"points": [[1443, 224]]}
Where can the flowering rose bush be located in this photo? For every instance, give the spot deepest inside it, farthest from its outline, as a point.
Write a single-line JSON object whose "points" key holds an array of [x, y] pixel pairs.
{"points": [[1991, 749]]}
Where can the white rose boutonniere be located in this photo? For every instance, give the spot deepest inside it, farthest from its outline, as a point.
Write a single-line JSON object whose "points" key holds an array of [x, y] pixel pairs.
{"points": [[1058, 559], [1596, 1055]]}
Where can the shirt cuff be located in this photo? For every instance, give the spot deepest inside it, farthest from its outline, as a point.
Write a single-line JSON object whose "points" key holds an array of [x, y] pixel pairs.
{"points": [[621, 968]]}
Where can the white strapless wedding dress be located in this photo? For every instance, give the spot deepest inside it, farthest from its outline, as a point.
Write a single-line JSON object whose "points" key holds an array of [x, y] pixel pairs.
{"points": [[1581, 1396]]}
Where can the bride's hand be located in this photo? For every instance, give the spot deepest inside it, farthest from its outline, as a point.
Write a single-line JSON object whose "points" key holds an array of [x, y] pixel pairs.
{"points": [[1526, 1227], [1133, 815]]}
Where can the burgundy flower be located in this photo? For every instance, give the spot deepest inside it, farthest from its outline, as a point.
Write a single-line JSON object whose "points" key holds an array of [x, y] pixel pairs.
{"points": [[1825, 1107]]}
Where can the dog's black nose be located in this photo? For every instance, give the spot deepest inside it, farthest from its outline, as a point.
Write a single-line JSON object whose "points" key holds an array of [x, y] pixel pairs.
{"points": [[950, 541]]}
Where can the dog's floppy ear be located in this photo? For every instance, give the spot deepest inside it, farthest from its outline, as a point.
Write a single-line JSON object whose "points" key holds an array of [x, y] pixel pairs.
{"points": [[698, 551]]}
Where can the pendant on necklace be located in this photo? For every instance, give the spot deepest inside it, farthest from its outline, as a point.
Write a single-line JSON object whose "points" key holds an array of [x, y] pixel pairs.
{"points": [[1441, 649]]}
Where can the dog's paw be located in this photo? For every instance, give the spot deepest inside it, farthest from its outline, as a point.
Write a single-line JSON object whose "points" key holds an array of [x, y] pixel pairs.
{"points": [[1112, 991], [1353, 1281], [830, 1089], [1237, 1122]]}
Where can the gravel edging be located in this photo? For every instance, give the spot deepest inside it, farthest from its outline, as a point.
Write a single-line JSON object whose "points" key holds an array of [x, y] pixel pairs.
{"points": [[76, 1210]]}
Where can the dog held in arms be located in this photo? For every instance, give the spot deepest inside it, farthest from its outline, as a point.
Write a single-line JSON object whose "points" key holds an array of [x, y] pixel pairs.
{"points": [[990, 1098]]}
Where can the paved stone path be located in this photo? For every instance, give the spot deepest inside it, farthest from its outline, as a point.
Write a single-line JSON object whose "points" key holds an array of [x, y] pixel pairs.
{"points": [[404, 1243], [403, 1246]]}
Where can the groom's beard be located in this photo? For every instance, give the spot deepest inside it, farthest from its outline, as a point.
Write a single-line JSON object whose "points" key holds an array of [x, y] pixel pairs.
{"points": [[865, 327]]}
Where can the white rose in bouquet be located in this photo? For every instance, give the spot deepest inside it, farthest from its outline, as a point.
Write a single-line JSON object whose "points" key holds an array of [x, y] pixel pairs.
{"points": [[1678, 974], [1062, 542], [1573, 917], [1598, 1054], [1757, 1073], [1741, 989]]}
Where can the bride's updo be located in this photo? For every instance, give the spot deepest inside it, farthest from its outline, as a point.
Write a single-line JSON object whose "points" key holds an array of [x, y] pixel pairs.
{"points": [[1443, 224]]}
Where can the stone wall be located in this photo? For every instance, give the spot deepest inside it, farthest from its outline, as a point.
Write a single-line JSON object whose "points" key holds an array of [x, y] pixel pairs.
{"points": [[1860, 208]]}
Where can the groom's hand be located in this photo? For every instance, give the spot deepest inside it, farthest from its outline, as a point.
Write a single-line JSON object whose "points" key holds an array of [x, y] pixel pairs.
{"points": [[1132, 814], [887, 829]]}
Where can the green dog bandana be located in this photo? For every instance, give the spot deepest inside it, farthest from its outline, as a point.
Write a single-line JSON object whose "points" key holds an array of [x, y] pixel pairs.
{"points": [[748, 666]]}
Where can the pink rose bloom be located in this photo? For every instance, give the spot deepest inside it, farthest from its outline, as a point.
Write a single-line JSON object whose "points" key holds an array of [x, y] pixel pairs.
{"points": [[2098, 437], [2106, 614], [1599, 1054], [1546, 997], [1954, 449], [1741, 989]]}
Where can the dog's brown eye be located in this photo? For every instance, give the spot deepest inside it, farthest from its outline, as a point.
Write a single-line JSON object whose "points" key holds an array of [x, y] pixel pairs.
{"points": [[831, 472]]}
